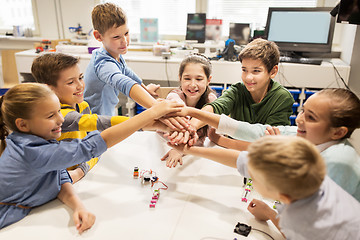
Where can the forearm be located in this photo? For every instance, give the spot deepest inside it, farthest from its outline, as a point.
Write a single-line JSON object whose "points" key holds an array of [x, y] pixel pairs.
{"points": [[272, 216], [117, 133], [197, 123], [68, 196], [140, 95], [226, 157], [232, 143], [207, 117]]}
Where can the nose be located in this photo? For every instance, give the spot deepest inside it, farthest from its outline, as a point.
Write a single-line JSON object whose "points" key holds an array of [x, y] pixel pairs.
{"points": [[248, 76], [193, 82], [123, 39], [59, 119], [299, 118], [79, 84]]}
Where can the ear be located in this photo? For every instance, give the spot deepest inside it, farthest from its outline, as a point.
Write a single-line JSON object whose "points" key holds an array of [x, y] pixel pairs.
{"points": [[97, 35], [22, 125], [338, 132], [274, 71], [209, 79], [284, 198]]}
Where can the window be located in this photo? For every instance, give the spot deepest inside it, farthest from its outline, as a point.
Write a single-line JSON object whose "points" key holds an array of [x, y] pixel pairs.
{"points": [[172, 14], [16, 12], [248, 11]]}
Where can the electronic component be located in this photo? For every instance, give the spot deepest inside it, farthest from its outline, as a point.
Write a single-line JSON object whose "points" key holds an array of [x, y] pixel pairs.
{"points": [[136, 172], [247, 190], [242, 229]]}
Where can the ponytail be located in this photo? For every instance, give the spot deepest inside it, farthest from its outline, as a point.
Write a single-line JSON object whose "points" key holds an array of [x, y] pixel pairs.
{"points": [[4, 132]]}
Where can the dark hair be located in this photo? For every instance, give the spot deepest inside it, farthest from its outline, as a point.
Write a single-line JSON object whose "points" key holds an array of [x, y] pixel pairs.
{"points": [[206, 65], [107, 15], [264, 50], [345, 109], [47, 68], [19, 102]]}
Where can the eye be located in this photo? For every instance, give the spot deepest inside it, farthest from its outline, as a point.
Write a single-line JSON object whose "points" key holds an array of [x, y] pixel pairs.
{"points": [[71, 82], [127, 33], [51, 116], [81, 77]]}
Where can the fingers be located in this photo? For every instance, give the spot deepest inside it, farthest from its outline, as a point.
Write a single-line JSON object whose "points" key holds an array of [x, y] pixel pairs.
{"points": [[165, 156], [84, 220], [269, 131]]}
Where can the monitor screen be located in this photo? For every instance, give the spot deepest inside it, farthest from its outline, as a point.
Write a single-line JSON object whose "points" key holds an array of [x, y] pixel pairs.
{"points": [[301, 29]]}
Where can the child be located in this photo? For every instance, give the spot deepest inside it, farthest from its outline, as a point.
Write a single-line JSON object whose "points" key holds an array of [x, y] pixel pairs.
{"points": [[33, 165], [62, 74], [258, 98], [328, 119], [291, 170], [194, 91], [107, 73]]}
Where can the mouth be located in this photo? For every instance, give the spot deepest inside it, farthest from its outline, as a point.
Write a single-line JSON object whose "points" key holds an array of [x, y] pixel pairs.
{"points": [[79, 94], [250, 84], [57, 130], [193, 91], [300, 131]]}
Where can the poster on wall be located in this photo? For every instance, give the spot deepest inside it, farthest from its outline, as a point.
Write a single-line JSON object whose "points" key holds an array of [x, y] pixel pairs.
{"points": [[149, 31], [213, 29], [240, 32], [195, 28]]}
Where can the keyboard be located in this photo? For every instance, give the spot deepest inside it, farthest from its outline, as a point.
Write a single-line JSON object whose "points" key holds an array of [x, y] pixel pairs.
{"points": [[300, 60]]}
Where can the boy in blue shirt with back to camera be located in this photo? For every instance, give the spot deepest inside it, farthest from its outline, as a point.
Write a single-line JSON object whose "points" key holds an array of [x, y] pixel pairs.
{"points": [[107, 73]]}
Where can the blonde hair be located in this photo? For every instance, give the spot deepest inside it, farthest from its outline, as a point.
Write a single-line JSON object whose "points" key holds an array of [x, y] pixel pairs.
{"points": [[19, 102], [344, 110], [264, 50], [291, 165], [107, 15]]}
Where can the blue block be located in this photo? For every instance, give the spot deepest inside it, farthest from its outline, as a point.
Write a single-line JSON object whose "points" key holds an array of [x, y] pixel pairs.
{"points": [[292, 120], [308, 93], [218, 90], [3, 91], [295, 93], [295, 107]]}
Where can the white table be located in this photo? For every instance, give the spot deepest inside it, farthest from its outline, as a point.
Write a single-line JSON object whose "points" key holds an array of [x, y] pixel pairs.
{"points": [[203, 200]]}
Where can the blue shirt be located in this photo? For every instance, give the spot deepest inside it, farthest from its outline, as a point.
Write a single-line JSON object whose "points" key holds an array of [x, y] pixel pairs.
{"points": [[105, 78], [330, 213], [32, 170]]}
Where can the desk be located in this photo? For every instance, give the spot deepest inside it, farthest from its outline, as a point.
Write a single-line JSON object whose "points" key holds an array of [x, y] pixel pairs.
{"points": [[154, 68], [203, 200]]}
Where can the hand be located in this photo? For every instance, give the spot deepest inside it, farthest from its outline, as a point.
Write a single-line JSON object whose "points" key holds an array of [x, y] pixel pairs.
{"points": [[151, 88], [83, 220], [213, 136], [260, 210], [272, 131], [176, 123], [172, 157], [164, 107]]}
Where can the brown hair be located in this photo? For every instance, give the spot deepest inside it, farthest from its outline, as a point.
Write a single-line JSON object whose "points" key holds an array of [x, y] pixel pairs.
{"points": [[206, 65], [107, 15], [47, 68], [345, 109], [19, 102], [291, 165], [264, 50]]}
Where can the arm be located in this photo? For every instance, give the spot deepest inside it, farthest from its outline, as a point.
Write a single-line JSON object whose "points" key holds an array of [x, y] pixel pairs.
{"points": [[82, 218], [227, 142], [116, 134], [226, 157]]}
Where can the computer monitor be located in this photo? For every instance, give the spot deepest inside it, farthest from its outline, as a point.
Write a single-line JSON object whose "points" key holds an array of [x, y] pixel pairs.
{"points": [[301, 30]]}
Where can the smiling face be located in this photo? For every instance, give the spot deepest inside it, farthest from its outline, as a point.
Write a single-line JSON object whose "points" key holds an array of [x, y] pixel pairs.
{"points": [[115, 40], [70, 86], [46, 119], [314, 120], [193, 83], [256, 78]]}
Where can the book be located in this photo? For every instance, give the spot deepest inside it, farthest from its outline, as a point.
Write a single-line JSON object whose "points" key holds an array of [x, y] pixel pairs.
{"points": [[213, 29], [195, 28], [149, 30], [240, 32]]}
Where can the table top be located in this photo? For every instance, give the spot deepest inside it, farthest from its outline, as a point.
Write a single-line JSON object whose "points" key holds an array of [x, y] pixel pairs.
{"points": [[203, 200]]}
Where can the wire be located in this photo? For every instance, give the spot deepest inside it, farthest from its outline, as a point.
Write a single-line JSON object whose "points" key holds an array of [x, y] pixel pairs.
{"points": [[263, 233], [166, 71], [339, 75]]}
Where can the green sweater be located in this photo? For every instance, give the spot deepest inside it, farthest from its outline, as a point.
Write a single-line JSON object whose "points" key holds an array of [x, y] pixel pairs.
{"points": [[275, 109]]}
